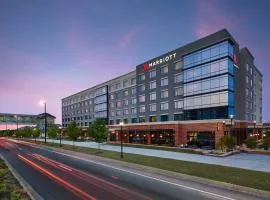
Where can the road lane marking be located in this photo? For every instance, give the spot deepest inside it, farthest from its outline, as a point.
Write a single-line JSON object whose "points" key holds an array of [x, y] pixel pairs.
{"points": [[149, 177], [62, 182]]}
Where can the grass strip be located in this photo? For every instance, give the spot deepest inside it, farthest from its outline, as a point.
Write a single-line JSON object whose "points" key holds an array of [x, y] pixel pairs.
{"points": [[237, 176], [9, 186]]}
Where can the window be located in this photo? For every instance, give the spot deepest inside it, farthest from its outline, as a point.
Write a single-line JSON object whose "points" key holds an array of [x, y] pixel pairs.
{"points": [[164, 81], [134, 120], [133, 91], [126, 93], [133, 81], [112, 113], [118, 112], [118, 104], [178, 104], [112, 96], [141, 119], [178, 78], [177, 65], [153, 85], [142, 109], [164, 69], [178, 91], [112, 105], [178, 117], [142, 77], [126, 102], [133, 101], [125, 83], [125, 111], [153, 96], [142, 98], [247, 67], [164, 93], [164, 106], [141, 88], [152, 118], [133, 110], [164, 118], [153, 107], [152, 73]]}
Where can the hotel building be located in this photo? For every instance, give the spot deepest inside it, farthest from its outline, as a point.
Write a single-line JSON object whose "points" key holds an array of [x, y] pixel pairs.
{"points": [[192, 95]]}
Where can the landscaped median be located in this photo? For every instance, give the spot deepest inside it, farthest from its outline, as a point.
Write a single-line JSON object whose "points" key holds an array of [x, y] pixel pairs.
{"points": [[237, 176], [9, 186]]}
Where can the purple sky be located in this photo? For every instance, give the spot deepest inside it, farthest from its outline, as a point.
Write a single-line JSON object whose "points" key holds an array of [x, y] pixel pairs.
{"points": [[50, 49]]}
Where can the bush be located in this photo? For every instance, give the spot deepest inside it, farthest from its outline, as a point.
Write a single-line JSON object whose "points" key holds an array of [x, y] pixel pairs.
{"points": [[266, 142], [227, 142], [251, 142]]}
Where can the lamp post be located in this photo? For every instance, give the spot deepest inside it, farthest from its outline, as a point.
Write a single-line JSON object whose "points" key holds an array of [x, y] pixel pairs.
{"points": [[231, 117], [121, 125], [254, 125], [45, 125]]}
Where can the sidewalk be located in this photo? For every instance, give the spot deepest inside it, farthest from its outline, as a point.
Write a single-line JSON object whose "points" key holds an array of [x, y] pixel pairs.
{"points": [[242, 160]]}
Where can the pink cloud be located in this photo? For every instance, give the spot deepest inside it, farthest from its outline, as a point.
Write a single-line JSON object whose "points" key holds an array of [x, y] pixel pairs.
{"points": [[211, 18]]}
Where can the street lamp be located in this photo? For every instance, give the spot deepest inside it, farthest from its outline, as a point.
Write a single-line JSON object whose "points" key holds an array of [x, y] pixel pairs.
{"points": [[254, 125], [121, 125], [42, 102], [231, 117]]}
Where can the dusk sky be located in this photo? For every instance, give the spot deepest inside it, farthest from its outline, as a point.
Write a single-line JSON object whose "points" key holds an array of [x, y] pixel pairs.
{"points": [[51, 49]]}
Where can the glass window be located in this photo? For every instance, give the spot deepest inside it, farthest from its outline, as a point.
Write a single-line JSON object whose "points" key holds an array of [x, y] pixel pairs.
{"points": [[164, 106], [133, 91], [214, 83], [206, 55], [178, 78], [178, 91], [126, 93], [118, 104], [164, 69], [112, 113], [152, 118], [206, 99], [153, 85], [153, 96], [214, 51], [197, 72], [214, 99], [164, 81], [142, 109], [164, 93], [142, 98], [164, 118], [153, 107], [126, 102], [141, 88], [133, 81], [141, 119], [133, 110], [125, 83], [112, 96], [152, 73], [214, 67], [206, 69], [178, 104], [133, 101], [223, 97], [142, 77], [118, 112], [177, 65]]}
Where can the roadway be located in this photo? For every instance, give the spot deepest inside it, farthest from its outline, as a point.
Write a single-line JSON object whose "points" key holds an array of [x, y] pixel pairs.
{"points": [[55, 175]]}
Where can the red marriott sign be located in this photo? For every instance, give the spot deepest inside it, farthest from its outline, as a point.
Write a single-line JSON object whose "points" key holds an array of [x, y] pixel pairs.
{"points": [[147, 66]]}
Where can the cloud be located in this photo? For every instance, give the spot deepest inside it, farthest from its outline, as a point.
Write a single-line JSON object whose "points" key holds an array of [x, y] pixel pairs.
{"points": [[128, 37], [211, 18]]}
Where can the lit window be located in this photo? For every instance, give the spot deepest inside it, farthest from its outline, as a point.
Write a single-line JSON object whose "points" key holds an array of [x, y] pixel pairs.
{"points": [[153, 85], [153, 107], [164, 69], [142, 109], [178, 104], [142, 98], [164, 81], [177, 65], [153, 96], [164, 106], [164, 93]]}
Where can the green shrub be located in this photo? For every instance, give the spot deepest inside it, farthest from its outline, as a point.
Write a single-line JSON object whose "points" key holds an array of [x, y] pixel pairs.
{"points": [[251, 142]]}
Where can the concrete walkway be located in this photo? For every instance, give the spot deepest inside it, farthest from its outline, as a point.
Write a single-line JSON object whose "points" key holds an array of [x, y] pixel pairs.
{"points": [[242, 160]]}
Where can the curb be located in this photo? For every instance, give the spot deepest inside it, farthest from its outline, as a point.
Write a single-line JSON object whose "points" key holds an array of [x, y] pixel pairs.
{"points": [[28, 189]]}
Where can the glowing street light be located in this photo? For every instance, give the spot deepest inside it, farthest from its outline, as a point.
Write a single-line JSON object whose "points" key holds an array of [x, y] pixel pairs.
{"points": [[43, 103]]}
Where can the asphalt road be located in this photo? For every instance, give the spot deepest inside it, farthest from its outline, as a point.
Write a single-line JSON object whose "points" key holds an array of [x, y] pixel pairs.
{"points": [[58, 176]]}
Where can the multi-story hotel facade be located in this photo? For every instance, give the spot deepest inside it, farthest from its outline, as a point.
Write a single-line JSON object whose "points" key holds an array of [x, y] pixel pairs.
{"points": [[197, 92]]}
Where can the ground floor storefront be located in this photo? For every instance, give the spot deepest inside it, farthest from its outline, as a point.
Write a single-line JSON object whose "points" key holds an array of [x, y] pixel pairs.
{"points": [[198, 134]]}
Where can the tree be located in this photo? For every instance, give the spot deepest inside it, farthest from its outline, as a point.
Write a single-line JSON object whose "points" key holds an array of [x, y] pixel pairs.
{"points": [[227, 142], [99, 131], [52, 132], [36, 133], [251, 142], [73, 131], [266, 142]]}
